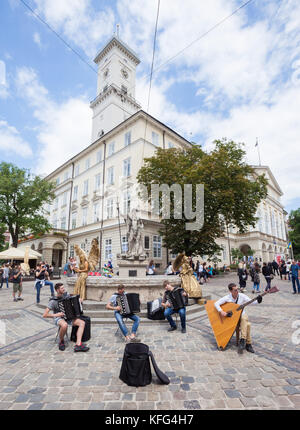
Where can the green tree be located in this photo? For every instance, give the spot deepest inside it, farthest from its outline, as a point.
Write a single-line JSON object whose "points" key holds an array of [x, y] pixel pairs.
{"points": [[231, 192], [22, 201], [294, 234]]}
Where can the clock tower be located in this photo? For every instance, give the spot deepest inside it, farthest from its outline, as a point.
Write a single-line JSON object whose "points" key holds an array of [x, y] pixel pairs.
{"points": [[115, 100]]}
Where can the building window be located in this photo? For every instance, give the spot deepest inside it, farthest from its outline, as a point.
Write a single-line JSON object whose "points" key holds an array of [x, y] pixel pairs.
{"points": [[109, 208], [110, 175], [96, 212], [85, 187], [108, 249], [76, 171], [63, 221], [170, 145], [74, 218], [156, 246], [87, 163], [65, 197], [126, 202], [84, 216], [75, 193], [124, 244], [127, 138], [66, 175], [147, 242], [56, 203], [97, 182], [54, 223], [126, 167], [57, 181], [72, 254], [155, 139], [111, 149], [99, 156]]}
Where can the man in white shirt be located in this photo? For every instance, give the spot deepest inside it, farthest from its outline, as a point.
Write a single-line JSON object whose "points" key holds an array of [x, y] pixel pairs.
{"points": [[239, 298]]}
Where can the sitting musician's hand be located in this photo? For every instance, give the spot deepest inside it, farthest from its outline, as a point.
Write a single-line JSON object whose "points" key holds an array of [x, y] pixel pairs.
{"points": [[118, 308], [60, 315], [259, 299], [224, 314]]}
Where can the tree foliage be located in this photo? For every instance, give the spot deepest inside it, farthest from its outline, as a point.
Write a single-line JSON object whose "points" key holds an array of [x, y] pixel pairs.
{"points": [[294, 234], [22, 201], [232, 192]]}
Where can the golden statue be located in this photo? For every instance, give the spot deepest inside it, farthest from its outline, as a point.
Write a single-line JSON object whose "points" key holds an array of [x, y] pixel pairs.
{"points": [[83, 271], [85, 265], [188, 281]]}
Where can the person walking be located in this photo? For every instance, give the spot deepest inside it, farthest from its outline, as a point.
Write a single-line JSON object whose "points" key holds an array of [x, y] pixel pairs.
{"points": [[17, 282], [256, 278], [288, 268], [5, 275], [295, 277], [268, 275], [275, 268]]}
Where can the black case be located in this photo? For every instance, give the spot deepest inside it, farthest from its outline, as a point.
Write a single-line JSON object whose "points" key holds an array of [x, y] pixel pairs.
{"points": [[159, 314]]}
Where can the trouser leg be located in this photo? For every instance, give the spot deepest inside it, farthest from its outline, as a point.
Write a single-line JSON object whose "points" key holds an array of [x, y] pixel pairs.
{"points": [[120, 321], [245, 328], [168, 313]]}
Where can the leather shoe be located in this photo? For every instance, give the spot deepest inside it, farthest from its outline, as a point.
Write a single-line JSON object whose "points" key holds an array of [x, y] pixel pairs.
{"points": [[172, 328], [249, 348], [242, 345], [183, 330]]}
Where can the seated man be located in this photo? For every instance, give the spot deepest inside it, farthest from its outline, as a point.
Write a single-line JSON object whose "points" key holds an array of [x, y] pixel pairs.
{"points": [[239, 298], [113, 306], [169, 310], [62, 323]]}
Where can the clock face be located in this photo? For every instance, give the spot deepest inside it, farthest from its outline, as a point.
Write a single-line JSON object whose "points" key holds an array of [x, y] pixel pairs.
{"points": [[124, 73]]}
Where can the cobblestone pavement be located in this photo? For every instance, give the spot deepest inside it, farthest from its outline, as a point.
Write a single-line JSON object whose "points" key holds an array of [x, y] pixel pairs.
{"points": [[35, 375]]}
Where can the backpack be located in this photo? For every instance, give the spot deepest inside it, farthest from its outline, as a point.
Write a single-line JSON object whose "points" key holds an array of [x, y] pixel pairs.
{"points": [[136, 370]]}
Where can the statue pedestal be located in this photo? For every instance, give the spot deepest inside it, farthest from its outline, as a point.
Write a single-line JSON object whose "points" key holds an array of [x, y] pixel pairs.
{"points": [[132, 267]]}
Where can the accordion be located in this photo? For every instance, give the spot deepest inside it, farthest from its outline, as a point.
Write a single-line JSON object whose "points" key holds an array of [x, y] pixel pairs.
{"points": [[177, 299], [70, 307], [129, 303], [155, 311]]}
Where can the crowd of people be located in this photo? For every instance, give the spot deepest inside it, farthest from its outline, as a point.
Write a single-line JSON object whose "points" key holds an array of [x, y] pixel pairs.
{"points": [[288, 271]]}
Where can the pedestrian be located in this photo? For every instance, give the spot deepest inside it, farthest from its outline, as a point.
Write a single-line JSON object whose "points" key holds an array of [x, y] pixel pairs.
{"points": [[5, 275], [295, 277], [268, 275], [243, 276], [256, 278], [275, 267], [16, 277], [70, 268], [41, 279], [288, 268], [283, 270], [199, 273], [151, 268]]}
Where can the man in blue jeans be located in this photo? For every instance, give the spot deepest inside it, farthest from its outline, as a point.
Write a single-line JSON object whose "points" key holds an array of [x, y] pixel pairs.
{"points": [[294, 270], [41, 279], [113, 306], [169, 309]]}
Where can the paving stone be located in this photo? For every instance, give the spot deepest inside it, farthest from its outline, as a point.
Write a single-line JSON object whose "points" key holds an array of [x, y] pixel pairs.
{"points": [[232, 393], [248, 402], [291, 390], [193, 404]]}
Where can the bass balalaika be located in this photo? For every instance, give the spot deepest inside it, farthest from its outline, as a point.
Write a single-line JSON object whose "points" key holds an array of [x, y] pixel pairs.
{"points": [[70, 307], [177, 299], [129, 303]]}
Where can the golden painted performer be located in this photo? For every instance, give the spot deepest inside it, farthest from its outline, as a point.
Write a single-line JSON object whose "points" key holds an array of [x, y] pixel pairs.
{"points": [[188, 281], [85, 265]]}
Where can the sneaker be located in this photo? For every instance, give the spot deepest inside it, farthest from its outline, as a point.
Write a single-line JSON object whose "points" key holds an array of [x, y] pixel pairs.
{"points": [[183, 330], [15, 300], [172, 328], [61, 346], [81, 348], [134, 339], [20, 298], [249, 348]]}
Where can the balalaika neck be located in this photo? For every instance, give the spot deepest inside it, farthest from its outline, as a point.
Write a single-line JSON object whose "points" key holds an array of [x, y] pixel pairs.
{"points": [[241, 307]]}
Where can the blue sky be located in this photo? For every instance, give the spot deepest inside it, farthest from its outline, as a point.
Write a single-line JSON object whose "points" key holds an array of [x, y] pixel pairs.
{"points": [[240, 81]]}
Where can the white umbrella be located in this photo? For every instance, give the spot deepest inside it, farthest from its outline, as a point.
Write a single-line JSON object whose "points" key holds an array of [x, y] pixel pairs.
{"points": [[18, 254]]}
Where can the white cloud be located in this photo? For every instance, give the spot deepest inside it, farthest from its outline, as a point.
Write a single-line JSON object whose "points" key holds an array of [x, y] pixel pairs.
{"points": [[78, 21], [37, 39], [64, 129], [11, 142], [3, 81]]}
